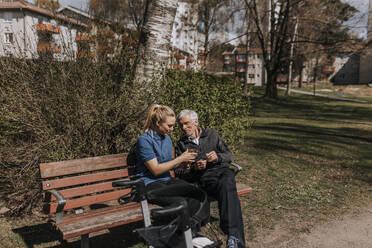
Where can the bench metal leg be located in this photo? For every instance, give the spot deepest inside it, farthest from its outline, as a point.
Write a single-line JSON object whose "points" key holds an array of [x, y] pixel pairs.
{"points": [[85, 241]]}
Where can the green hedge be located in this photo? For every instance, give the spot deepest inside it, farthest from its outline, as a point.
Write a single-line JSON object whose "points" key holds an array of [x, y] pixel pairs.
{"points": [[219, 102], [55, 111]]}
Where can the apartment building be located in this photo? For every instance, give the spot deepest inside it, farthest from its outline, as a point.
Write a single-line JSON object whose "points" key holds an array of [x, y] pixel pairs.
{"points": [[186, 41], [29, 31], [246, 66]]}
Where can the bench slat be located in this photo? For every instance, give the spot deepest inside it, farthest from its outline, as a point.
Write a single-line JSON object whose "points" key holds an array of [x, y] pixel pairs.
{"points": [[89, 178], [100, 222], [86, 201], [86, 190], [243, 188], [76, 166], [71, 218]]}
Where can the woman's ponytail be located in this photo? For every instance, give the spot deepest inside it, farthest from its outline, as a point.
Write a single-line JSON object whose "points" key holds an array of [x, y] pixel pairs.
{"points": [[157, 113]]}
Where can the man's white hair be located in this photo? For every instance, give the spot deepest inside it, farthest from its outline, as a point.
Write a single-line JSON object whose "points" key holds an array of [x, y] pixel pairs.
{"points": [[188, 112]]}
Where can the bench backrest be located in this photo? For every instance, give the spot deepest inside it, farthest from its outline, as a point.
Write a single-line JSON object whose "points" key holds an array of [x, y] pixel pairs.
{"points": [[84, 181]]}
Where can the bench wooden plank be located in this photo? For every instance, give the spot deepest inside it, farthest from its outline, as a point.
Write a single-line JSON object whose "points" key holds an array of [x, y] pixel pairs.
{"points": [[70, 218], [100, 222], [76, 166], [86, 201], [108, 218], [243, 188], [89, 178], [86, 190]]}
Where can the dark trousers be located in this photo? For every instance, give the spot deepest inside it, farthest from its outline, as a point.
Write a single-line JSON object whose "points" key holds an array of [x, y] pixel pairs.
{"points": [[174, 191], [220, 184]]}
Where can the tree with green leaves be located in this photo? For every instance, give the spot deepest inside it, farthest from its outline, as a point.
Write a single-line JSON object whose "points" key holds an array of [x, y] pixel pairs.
{"points": [[274, 21]]}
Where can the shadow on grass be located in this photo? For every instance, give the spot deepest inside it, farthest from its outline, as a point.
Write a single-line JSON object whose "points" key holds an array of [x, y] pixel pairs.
{"points": [[337, 133], [350, 146], [44, 234], [308, 107]]}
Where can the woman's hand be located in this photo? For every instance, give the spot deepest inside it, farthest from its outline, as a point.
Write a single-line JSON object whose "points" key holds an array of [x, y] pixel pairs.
{"points": [[188, 156]]}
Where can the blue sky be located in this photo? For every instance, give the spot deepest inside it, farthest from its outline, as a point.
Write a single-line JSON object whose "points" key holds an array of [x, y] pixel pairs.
{"points": [[359, 22], [80, 4]]}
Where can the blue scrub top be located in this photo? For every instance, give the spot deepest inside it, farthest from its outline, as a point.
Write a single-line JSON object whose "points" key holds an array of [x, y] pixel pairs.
{"points": [[149, 146]]}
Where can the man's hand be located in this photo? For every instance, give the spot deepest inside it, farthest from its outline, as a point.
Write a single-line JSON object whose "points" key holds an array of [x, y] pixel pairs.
{"points": [[201, 164], [185, 165], [212, 156]]}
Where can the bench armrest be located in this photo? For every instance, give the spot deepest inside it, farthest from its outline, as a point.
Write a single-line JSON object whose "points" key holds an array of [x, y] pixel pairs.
{"points": [[126, 183], [237, 168], [138, 190], [61, 204]]}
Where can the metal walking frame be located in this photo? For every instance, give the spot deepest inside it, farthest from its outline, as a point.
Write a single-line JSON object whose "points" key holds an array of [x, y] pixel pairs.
{"points": [[163, 236]]}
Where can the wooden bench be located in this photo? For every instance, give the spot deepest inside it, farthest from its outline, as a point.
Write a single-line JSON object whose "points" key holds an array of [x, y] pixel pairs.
{"points": [[80, 194]]}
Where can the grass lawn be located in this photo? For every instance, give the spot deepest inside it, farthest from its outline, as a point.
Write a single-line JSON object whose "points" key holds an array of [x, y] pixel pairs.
{"points": [[307, 159]]}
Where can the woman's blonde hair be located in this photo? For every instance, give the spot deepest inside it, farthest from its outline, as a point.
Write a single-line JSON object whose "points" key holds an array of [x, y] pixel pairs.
{"points": [[157, 113]]}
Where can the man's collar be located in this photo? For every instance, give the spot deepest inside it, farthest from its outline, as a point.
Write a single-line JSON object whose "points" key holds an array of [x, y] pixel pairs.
{"points": [[200, 134]]}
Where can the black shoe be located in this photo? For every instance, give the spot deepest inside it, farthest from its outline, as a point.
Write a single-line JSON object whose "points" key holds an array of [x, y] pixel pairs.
{"points": [[232, 242]]}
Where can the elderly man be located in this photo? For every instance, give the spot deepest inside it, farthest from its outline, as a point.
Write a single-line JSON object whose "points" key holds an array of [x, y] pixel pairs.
{"points": [[211, 171]]}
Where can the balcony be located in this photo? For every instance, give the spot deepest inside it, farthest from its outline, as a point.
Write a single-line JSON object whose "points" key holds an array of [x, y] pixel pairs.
{"points": [[48, 28], [178, 56], [84, 54], [83, 37], [103, 48], [328, 69], [129, 40], [201, 62], [48, 47], [240, 69], [106, 34], [177, 66], [241, 60], [190, 60]]}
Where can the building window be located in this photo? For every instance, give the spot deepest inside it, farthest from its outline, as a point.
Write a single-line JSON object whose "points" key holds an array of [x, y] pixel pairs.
{"points": [[251, 75], [251, 66], [241, 56], [240, 66], [8, 16], [8, 38]]}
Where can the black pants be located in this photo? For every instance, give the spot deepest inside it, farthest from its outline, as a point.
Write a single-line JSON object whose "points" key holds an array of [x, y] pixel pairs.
{"points": [[174, 191], [220, 183]]}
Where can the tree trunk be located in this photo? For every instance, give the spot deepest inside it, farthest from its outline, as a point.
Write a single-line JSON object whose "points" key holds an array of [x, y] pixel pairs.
{"points": [[271, 89], [300, 77], [154, 46], [247, 46]]}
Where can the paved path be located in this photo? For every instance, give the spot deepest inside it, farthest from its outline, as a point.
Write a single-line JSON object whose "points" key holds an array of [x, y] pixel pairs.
{"points": [[323, 95], [353, 230]]}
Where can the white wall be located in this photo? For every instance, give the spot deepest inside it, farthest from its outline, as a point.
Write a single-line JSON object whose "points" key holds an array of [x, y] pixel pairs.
{"points": [[25, 36], [184, 33]]}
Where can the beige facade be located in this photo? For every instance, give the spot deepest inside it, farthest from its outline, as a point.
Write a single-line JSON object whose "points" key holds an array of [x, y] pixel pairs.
{"points": [[28, 31], [246, 68]]}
